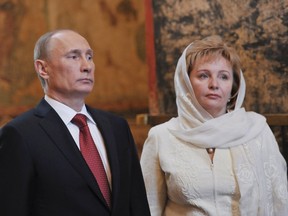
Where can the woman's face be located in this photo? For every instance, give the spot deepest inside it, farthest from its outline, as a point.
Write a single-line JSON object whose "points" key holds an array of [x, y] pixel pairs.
{"points": [[212, 83]]}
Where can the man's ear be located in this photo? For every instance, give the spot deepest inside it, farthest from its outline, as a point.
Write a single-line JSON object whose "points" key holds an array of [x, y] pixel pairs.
{"points": [[41, 68]]}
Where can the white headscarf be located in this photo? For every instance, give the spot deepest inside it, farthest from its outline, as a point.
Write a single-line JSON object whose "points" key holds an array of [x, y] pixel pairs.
{"points": [[197, 126], [192, 114], [234, 130]]}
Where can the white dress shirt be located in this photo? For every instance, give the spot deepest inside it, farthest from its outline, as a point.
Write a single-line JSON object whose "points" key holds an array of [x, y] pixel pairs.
{"points": [[66, 114]]}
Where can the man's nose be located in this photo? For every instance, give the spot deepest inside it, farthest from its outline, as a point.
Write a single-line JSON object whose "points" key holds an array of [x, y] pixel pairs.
{"points": [[86, 65]]}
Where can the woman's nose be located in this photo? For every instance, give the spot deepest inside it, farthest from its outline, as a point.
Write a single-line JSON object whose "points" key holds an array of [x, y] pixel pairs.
{"points": [[213, 84]]}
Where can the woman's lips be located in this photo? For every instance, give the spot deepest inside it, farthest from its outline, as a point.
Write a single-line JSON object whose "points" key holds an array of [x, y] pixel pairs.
{"points": [[213, 96]]}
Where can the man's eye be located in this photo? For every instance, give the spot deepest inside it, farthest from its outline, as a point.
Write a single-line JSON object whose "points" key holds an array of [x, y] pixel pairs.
{"points": [[72, 57]]}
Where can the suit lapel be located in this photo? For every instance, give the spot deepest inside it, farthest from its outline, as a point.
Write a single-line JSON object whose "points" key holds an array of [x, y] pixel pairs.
{"points": [[52, 125]]}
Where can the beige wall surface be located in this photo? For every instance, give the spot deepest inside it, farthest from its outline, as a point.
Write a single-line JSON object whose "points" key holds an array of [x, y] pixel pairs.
{"points": [[115, 30]]}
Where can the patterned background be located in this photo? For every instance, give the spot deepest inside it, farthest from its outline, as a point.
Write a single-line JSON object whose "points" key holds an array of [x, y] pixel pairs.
{"points": [[257, 29], [115, 30]]}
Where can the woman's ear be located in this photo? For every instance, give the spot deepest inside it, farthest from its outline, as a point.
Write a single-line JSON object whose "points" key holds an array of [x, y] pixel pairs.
{"points": [[41, 68]]}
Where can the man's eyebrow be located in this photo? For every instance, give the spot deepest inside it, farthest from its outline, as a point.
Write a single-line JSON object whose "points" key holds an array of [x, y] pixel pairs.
{"points": [[78, 51], [90, 51]]}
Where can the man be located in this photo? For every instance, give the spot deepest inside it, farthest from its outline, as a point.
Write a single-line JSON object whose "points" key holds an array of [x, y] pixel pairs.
{"points": [[43, 168]]}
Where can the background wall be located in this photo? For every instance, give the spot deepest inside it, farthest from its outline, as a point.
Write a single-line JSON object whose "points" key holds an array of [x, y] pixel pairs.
{"points": [[115, 30], [258, 29]]}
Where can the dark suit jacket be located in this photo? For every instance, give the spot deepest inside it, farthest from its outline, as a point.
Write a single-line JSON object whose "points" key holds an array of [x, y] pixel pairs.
{"points": [[42, 172]]}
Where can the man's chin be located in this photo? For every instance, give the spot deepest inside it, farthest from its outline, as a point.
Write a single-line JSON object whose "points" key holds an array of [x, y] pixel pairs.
{"points": [[83, 93]]}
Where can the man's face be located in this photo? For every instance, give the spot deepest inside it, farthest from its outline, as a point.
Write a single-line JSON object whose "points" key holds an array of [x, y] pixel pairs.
{"points": [[70, 67]]}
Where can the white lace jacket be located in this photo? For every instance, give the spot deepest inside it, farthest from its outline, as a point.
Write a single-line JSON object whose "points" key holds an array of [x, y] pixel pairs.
{"points": [[181, 179], [248, 176]]}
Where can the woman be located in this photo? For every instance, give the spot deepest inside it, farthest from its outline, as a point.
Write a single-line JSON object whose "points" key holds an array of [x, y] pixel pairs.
{"points": [[214, 158]]}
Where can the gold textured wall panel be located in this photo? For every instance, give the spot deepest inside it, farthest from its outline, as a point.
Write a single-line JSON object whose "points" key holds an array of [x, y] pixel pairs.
{"points": [[115, 30]]}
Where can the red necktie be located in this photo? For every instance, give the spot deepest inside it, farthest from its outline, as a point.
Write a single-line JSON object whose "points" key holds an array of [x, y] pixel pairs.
{"points": [[92, 156]]}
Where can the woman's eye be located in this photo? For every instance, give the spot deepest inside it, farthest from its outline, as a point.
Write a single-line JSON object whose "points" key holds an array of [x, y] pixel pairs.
{"points": [[224, 77], [203, 76]]}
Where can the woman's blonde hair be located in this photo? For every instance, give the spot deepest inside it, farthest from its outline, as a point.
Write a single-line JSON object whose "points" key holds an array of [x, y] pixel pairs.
{"points": [[210, 48]]}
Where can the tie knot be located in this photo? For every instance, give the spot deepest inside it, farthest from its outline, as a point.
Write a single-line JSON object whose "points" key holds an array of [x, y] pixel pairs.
{"points": [[80, 120]]}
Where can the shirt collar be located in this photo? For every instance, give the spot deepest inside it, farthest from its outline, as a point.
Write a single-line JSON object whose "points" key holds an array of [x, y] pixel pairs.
{"points": [[65, 112]]}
